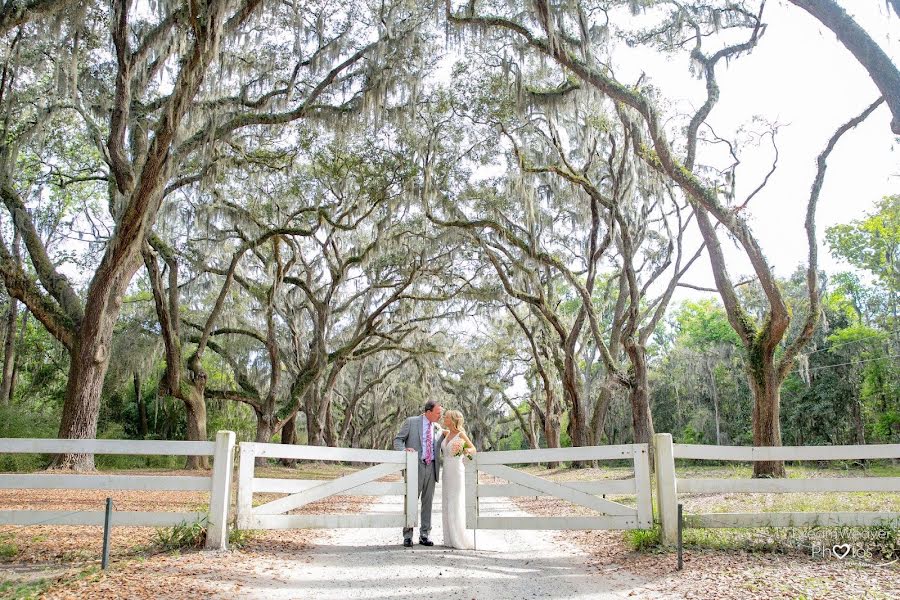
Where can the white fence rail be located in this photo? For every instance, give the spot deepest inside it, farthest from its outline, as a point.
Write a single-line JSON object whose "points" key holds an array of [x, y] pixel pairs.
{"points": [[611, 515], [670, 486], [587, 494], [271, 515], [218, 484]]}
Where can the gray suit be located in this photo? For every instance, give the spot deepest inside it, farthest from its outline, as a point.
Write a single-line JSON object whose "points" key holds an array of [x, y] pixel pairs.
{"points": [[410, 436]]}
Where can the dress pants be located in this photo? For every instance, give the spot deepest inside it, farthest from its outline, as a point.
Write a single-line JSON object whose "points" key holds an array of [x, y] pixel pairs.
{"points": [[426, 493]]}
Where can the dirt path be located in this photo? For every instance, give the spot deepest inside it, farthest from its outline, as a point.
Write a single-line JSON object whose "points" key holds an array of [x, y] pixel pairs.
{"points": [[371, 563]]}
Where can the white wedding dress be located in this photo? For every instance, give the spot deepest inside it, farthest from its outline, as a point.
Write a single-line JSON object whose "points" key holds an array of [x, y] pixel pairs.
{"points": [[453, 498]]}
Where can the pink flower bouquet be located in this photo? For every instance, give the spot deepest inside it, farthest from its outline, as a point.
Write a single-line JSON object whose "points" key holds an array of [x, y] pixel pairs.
{"points": [[460, 447]]}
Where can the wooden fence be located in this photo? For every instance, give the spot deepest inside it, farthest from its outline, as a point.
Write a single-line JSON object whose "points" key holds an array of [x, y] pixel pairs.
{"points": [[218, 484], [669, 486], [272, 515], [611, 515]]}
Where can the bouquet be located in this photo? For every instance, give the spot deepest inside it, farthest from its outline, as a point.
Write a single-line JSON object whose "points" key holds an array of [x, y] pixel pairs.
{"points": [[460, 447]]}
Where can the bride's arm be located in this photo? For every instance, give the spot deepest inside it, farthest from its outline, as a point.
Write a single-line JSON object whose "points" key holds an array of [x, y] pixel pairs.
{"points": [[466, 438]]}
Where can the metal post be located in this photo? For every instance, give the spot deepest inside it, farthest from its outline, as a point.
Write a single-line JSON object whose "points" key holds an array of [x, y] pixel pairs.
{"points": [[106, 527], [680, 528]]}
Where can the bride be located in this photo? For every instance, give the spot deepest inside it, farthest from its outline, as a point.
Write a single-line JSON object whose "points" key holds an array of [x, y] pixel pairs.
{"points": [[456, 447]]}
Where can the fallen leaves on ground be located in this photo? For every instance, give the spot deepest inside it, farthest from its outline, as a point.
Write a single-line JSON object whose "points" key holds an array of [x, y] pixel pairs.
{"points": [[69, 556], [723, 574]]}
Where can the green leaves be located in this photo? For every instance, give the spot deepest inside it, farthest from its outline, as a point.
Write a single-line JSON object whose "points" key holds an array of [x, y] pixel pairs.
{"points": [[704, 324], [872, 244]]}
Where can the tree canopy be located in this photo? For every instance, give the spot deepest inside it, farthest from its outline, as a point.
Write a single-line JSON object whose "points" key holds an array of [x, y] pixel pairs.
{"points": [[302, 220]]}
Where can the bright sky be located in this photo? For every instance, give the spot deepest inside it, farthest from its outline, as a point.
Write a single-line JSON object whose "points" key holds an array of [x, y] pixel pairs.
{"points": [[801, 77]]}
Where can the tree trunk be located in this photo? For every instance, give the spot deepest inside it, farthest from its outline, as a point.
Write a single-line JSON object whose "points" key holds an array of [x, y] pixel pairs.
{"points": [[87, 370], [641, 419], [347, 426], [533, 442], [330, 437], [577, 418], [766, 388], [7, 385], [528, 429], [601, 409], [859, 432], [90, 351], [316, 431], [9, 353], [315, 427], [289, 437], [195, 410], [551, 433], [265, 429], [714, 392], [141, 406]]}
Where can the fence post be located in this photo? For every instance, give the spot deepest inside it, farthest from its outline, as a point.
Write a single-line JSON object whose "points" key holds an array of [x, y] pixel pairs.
{"points": [[411, 497], [220, 496], [666, 489], [471, 481]]}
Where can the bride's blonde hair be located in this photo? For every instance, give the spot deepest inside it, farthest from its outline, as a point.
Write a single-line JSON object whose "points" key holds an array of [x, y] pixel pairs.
{"points": [[457, 418]]}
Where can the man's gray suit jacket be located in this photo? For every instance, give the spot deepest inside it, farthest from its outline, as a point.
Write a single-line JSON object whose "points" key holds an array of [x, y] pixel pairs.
{"points": [[410, 436]]}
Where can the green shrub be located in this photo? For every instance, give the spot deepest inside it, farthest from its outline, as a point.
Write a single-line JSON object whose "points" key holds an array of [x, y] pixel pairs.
{"points": [[8, 550], [17, 421], [181, 536], [643, 540], [238, 538]]}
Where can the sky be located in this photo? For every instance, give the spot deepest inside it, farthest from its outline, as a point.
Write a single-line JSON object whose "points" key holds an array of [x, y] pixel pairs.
{"points": [[801, 77]]}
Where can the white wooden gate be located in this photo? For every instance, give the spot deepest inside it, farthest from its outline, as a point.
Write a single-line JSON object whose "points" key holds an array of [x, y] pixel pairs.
{"points": [[271, 515], [218, 484], [611, 515]]}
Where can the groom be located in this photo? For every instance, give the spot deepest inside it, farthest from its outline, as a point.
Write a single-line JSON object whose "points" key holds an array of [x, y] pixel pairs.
{"points": [[420, 434]]}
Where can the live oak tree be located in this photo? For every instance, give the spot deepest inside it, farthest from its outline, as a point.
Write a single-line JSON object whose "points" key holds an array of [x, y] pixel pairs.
{"points": [[355, 284], [137, 174], [155, 92], [566, 35], [572, 174]]}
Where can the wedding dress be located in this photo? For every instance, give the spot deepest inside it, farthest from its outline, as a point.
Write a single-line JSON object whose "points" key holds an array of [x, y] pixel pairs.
{"points": [[453, 515]]}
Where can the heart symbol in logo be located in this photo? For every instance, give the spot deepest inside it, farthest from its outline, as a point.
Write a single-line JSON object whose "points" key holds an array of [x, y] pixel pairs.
{"points": [[841, 550]]}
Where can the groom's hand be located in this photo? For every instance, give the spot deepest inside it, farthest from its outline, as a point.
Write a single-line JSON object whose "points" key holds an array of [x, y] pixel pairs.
{"points": [[411, 450]]}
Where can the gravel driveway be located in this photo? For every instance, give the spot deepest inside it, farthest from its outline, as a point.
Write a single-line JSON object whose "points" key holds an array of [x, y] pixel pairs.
{"points": [[372, 563]]}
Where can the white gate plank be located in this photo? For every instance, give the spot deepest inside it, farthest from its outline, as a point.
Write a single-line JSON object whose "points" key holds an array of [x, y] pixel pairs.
{"points": [[244, 507], [336, 521], [472, 491], [612, 487], [754, 453], [411, 494], [328, 488], [66, 446], [326, 453], [560, 491], [642, 483], [53, 481], [118, 518], [781, 486], [262, 485], [558, 523], [507, 457], [791, 519]]}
